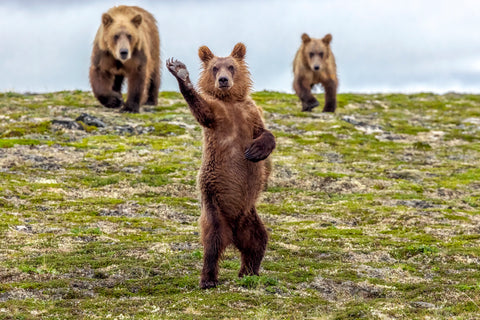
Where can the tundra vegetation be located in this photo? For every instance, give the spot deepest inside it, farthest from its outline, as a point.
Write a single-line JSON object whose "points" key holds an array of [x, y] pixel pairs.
{"points": [[373, 212]]}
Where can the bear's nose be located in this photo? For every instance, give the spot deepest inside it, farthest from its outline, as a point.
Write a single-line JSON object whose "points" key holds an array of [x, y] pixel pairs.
{"points": [[123, 53], [316, 67], [223, 81]]}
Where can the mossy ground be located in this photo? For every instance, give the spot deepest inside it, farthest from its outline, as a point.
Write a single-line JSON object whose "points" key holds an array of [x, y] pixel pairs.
{"points": [[373, 212]]}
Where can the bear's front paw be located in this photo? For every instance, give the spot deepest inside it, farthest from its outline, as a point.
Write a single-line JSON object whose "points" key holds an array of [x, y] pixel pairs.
{"points": [[130, 107], [178, 69], [310, 104], [256, 152], [113, 100], [207, 284], [329, 107]]}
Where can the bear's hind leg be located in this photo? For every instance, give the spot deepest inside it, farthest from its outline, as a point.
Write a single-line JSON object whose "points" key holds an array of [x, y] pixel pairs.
{"points": [[250, 237], [153, 86], [216, 236]]}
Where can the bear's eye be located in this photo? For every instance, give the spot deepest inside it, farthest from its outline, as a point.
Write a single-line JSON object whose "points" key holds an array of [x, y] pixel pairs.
{"points": [[321, 55], [115, 37], [214, 69], [231, 69], [312, 54], [129, 37]]}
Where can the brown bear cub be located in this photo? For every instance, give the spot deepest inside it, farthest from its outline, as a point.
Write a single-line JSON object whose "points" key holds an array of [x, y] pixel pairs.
{"points": [[234, 168], [127, 44], [314, 63]]}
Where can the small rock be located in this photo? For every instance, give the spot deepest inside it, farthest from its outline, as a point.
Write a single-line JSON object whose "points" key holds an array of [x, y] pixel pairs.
{"points": [[362, 125], [352, 120], [422, 304], [90, 120], [472, 121], [67, 123], [125, 129], [419, 204], [23, 228]]}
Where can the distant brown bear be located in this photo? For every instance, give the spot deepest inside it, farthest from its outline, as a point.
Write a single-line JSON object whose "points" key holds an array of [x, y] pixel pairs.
{"points": [[234, 167], [127, 44], [314, 63]]}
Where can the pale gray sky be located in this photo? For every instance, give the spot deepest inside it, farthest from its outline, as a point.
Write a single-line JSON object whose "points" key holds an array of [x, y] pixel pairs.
{"points": [[380, 46]]}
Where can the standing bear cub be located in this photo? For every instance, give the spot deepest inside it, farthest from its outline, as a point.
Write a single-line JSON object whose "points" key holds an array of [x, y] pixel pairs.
{"points": [[314, 63], [234, 168], [127, 44]]}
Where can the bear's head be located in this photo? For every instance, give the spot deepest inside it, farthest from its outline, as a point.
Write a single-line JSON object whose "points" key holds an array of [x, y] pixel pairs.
{"points": [[225, 77], [120, 35], [316, 51]]}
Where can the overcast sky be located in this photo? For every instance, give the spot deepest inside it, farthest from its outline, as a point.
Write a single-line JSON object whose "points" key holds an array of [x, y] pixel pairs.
{"points": [[380, 46]]}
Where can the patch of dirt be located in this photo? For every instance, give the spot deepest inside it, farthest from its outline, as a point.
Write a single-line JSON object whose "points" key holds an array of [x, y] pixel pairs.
{"points": [[413, 175], [394, 275], [22, 294], [167, 213], [129, 209], [333, 290], [289, 178], [377, 257], [418, 204]]}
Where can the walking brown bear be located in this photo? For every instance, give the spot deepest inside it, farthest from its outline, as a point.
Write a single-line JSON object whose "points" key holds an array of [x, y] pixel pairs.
{"points": [[127, 44], [314, 63], [234, 168]]}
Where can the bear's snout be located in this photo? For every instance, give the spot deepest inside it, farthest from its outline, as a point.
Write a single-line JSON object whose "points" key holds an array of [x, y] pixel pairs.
{"points": [[124, 53], [316, 67], [223, 82]]}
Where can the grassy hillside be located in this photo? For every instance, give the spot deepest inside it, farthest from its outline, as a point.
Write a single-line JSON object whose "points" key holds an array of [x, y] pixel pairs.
{"points": [[373, 212]]}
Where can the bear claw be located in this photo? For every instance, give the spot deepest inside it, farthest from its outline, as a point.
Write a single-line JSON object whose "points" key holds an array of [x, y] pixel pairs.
{"points": [[177, 68]]}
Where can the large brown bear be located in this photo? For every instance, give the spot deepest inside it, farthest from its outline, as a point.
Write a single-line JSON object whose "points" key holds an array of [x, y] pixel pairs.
{"points": [[314, 63], [234, 170], [127, 44]]}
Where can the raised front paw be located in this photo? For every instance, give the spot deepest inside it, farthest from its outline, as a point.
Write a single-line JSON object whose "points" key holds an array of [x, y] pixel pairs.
{"points": [[257, 151], [178, 69], [261, 147]]}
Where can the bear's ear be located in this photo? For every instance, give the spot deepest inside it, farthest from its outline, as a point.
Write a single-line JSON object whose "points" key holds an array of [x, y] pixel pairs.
{"points": [[239, 51], [327, 39], [205, 54], [107, 19], [137, 20], [305, 38]]}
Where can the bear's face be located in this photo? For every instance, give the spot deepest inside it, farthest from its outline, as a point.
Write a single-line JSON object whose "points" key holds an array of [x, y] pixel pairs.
{"points": [[223, 71], [316, 51], [120, 35], [223, 76]]}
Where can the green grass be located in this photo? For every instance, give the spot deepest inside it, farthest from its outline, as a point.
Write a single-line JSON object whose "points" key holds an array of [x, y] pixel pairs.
{"points": [[99, 224]]}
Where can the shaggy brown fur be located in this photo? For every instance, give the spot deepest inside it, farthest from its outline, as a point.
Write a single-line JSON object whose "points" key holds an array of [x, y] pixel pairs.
{"points": [[234, 169], [127, 44], [314, 63]]}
